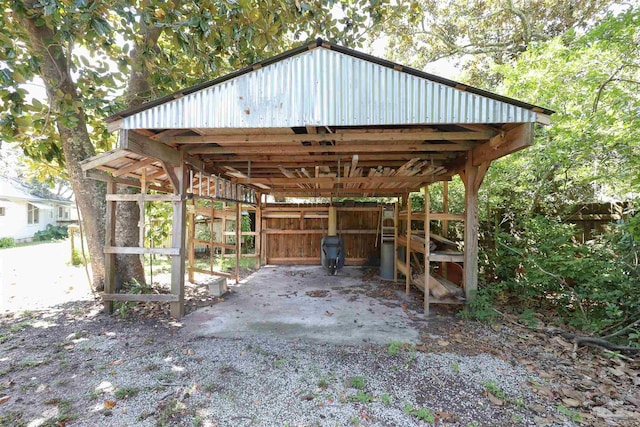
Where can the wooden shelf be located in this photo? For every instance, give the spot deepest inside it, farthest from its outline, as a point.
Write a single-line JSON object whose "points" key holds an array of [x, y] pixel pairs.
{"points": [[434, 216]]}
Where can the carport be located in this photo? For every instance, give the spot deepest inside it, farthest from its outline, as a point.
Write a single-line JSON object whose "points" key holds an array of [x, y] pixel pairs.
{"points": [[320, 120]]}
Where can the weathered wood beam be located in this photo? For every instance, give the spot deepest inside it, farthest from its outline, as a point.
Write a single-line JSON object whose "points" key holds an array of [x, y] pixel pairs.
{"points": [[103, 158], [355, 149], [147, 147], [137, 164], [367, 135], [294, 180], [513, 140]]}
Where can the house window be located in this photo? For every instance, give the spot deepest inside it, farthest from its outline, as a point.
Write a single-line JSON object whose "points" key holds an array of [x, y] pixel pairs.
{"points": [[2, 211], [63, 212], [33, 214]]}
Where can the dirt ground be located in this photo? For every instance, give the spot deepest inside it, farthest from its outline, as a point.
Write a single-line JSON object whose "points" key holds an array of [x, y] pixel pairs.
{"points": [[69, 364]]}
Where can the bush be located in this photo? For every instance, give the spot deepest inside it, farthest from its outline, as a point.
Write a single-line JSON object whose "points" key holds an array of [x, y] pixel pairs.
{"points": [[7, 242], [76, 258], [592, 285], [52, 232]]}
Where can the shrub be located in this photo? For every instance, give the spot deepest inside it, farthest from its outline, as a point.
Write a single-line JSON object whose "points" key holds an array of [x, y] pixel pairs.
{"points": [[52, 232], [7, 242], [538, 263]]}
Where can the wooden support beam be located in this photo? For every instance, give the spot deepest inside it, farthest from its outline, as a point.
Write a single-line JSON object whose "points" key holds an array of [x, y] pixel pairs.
{"points": [[110, 240], [338, 136], [136, 250], [140, 297], [238, 239], [293, 180], [351, 148], [427, 241], [177, 241], [134, 166], [470, 230], [257, 245], [102, 159], [142, 197], [408, 249], [191, 240], [514, 139], [147, 147]]}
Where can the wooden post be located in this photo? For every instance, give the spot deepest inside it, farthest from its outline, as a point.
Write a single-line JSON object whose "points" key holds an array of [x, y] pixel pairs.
{"points": [[395, 241], [224, 228], [191, 240], [110, 240], [470, 229], [177, 241], [212, 222], [407, 283], [238, 238], [445, 222], [257, 240], [333, 222], [427, 232]]}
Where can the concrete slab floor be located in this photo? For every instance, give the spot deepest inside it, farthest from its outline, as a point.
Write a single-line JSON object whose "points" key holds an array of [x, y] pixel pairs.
{"points": [[305, 302]]}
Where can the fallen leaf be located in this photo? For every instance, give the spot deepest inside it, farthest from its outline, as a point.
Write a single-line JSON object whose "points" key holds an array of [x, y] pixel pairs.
{"points": [[4, 399], [443, 343], [328, 313], [495, 400], [109, 404], [116, 362], [571, 403]]}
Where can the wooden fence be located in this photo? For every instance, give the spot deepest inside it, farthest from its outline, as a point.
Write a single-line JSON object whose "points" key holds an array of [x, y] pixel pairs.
{"points": [[292, 233]]}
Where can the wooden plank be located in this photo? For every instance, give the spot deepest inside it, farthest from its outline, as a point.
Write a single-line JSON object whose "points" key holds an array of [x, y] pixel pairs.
{"points": [[402, 267], [443, 240], [427, 242], [311, 261], [110, 239], [258, 233], [338, 136], [134, 166], [408, 249], [238, 240], [471, 230], [271, 231], [147, 147], [177, 241], [295, 180], [515, 139], [395, 240], [447, 257], [103, 158], [140, 297], [352, 148], [135, 250], [142, 197], [213, 273]]}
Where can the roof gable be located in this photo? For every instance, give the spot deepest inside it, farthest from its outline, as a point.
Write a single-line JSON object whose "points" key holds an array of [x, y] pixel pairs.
{"points": [[326, 85]]}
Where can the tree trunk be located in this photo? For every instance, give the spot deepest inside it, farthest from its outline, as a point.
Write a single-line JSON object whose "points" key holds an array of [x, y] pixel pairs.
{"points": [[130, 267], [76, 144]]}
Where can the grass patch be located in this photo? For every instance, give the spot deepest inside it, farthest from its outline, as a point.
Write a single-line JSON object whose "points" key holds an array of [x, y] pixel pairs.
{"points": [[394, 348], [423, 414], [357, 382], [362, 397], [386, 399], [126, 392]]}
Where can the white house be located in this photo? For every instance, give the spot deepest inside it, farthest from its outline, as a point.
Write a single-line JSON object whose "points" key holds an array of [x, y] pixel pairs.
{"points": [[22, 213]]}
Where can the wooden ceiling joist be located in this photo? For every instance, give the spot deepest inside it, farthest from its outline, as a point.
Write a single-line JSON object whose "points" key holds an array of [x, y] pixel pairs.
{"points": [[338, 136]]}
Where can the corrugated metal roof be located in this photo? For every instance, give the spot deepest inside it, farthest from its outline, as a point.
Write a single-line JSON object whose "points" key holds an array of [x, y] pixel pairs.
{"points": [[326, 86]]}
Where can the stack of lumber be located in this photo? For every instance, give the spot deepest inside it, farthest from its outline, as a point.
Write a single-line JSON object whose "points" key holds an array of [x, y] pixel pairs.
{"points": [[439, 287]]}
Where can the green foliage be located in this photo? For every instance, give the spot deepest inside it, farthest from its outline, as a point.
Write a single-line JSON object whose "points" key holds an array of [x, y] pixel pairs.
{"points": [[494, 389], [395, 347], [7, 242], [52, 232], [590, 285], [423, 414], [357, 382], [362, 397], [76, 258]]}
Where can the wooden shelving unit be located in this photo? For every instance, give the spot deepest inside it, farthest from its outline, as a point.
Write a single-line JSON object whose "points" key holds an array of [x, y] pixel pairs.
{"points": [[417, 269]]}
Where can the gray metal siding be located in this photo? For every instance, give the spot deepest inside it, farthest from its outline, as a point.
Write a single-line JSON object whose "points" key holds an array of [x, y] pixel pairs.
{"points": [[324, 87]]}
